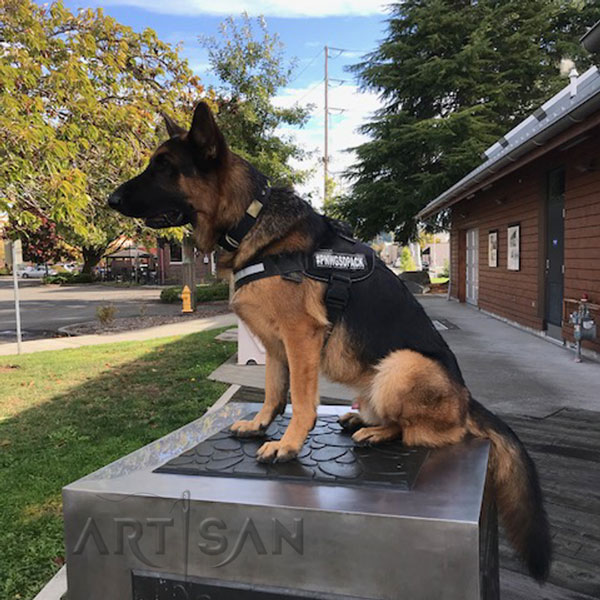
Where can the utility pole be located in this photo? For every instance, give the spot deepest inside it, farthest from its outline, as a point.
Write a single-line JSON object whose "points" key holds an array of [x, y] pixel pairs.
{"points": [[326, 126], [328, 109]]}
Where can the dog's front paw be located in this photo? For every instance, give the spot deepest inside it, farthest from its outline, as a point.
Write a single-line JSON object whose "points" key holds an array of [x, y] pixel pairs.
{"points": [[248, 428], [351, 421], [366, 436], [280, 451]]}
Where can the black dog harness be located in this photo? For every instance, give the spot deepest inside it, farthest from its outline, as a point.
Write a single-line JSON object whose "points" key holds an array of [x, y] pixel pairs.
{"points": [[343, 263]]}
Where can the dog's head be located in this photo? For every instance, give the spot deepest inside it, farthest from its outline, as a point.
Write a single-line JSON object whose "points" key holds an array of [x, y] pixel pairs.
{"points": [[185, 182]]}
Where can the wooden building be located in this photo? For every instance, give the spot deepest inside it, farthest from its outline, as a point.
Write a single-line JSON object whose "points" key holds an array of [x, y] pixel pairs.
{"points": [[170, 263], [525, 224]]}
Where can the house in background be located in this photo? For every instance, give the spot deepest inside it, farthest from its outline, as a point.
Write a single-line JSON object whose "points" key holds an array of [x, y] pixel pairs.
{"points": [[525, 224], [132, 263], [389, 253], [162, 264], [170, 263], [435, 254]]}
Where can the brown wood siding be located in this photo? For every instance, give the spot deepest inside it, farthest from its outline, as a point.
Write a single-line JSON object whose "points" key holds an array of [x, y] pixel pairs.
{"points": [[582, 227], [520, 197], [510, 294]]}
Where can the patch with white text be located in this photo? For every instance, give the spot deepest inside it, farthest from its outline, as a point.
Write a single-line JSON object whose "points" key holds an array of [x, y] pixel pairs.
{"points": [[339, 260]]}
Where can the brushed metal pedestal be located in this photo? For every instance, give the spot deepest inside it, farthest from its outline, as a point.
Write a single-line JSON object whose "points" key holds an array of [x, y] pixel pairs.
{"points": [[134, 533]]}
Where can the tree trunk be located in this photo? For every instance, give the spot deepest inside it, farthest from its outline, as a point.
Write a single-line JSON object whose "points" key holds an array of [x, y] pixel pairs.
{"points": [[91, 257]]}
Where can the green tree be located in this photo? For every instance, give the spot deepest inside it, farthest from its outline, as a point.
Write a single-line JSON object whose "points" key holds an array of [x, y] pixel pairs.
{"points": [[454, 75], [80, 96], [249, 63], [407, 262], [41, 244], [332, 198]]}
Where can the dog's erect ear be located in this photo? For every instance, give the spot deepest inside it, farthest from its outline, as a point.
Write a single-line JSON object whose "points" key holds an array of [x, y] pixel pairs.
{"points": [[172, 128], [205, 133]]}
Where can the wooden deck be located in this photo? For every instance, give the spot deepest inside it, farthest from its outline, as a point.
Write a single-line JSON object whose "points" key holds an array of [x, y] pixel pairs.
{"points": [[566, 449]]}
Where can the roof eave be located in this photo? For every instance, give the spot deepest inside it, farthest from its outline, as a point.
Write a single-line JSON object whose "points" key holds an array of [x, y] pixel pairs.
{"points": [[591, 39], [479, 176]]}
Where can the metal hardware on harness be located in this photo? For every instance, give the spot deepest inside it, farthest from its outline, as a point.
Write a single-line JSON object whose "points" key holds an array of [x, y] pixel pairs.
{"points": [[231, 239], [233, 243]]}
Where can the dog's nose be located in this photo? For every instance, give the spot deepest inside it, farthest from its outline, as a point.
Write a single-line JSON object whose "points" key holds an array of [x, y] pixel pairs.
{"points": [[114, 200]]}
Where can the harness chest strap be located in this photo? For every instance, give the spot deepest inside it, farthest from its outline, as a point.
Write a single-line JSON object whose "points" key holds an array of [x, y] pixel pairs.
{"points": [[340, 270]]}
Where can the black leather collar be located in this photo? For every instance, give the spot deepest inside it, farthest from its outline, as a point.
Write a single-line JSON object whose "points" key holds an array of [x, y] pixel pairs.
{"points": [[231, 239]]}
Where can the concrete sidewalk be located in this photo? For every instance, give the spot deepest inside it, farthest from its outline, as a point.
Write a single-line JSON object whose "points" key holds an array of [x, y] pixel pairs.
{"points": [[513, 371], [507, 369], [138, 335]]}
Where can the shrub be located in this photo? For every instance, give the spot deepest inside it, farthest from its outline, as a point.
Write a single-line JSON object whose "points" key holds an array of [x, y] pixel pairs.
{"points": [[106, 314], [406, 260], [59, 279], [170, 295], [82, 278], [204, 293], [63, 278], [210, 293]]}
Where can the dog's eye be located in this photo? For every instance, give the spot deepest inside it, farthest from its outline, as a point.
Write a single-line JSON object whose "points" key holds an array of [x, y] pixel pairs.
{"points": [[162, 163]]}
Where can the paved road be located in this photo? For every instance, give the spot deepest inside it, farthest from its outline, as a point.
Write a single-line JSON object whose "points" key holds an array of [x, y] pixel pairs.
{"points": [[45, 308]]}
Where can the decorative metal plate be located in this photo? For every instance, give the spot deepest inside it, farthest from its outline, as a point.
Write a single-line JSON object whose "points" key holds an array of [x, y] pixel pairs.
{"points": [[328, 456]]}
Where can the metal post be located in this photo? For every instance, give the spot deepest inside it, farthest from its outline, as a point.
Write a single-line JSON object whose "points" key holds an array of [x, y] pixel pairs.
{"points": [[326, 125], [16, 288], [213, 265]]}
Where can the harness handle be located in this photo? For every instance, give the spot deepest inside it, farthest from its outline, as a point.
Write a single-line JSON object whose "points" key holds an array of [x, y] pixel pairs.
{"points": [[337, 296]]}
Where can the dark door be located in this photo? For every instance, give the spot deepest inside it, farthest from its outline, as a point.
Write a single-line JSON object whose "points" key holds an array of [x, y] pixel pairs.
{"points": [[555, 251]]}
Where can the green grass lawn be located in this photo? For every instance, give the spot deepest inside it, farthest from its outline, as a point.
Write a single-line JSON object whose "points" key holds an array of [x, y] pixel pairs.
{"points": [[439, 279], [64, 414]]}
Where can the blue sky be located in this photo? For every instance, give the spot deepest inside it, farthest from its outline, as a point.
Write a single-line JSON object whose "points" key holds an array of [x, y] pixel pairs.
{"points": [[305, 27]]}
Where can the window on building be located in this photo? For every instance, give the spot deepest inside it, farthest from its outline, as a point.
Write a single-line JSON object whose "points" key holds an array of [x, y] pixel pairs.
{"points": [[176, 252]]}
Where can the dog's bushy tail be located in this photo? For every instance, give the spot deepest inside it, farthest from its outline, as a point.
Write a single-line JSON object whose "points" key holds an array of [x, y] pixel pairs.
{"points": [[517, 490]]}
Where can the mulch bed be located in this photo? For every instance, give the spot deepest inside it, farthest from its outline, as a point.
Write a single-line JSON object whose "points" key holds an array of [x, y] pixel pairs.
{"points": [[207, 309]]}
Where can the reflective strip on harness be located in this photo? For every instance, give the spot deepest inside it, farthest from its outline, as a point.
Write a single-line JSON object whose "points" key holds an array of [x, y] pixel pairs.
{"points": [[247, 271]]}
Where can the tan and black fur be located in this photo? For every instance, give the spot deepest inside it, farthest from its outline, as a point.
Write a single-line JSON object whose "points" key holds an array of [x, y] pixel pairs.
{"points": [[407, 380]]}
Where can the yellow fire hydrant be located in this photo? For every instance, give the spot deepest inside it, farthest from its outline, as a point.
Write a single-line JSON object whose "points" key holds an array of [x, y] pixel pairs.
{"points": [[186, 298]]}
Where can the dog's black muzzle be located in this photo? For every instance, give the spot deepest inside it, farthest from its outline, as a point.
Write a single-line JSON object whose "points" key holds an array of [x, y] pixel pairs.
{"points": [[173, 217], [115, 199]]}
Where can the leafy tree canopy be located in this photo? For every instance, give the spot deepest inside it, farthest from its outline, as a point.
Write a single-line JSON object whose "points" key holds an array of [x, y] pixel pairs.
{"points": [[249, 63], [80, 97], [454, 75], [41, 244]]}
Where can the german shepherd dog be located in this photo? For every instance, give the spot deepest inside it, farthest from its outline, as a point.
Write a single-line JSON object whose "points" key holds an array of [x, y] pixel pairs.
{"points": [[407, 379]]}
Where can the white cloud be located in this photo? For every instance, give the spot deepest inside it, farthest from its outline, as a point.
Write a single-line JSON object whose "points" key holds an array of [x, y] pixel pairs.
{"points": [[272, 8], [343, 134]]}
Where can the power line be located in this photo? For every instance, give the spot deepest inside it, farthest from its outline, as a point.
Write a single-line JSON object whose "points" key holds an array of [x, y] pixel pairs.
{"points": [[311, 89], [306, 67]]}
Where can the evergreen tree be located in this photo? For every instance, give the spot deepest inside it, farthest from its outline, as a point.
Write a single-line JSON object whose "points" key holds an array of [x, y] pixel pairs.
{"points": [[454, 76]]}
